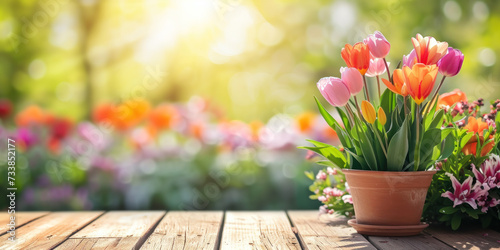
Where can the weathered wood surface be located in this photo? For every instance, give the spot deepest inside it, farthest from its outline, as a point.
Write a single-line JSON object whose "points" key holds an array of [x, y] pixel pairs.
{"points": [[467, 238], [258, 230], [326, 231], [21, 219], [119, 230], [186, 230], [219, 230], [48, 231]]}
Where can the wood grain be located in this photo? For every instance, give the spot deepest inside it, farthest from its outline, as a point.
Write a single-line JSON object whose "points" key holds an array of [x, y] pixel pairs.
{"points": [[186, 230], [326, 231], [467, 238], [413, 242], [48, 231], [258, 230], [118, 229], [21, 219]]}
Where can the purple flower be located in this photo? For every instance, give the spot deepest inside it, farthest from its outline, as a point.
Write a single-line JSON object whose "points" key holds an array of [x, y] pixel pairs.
{"points": [[490, 172], [464, 192], [451, 63]]}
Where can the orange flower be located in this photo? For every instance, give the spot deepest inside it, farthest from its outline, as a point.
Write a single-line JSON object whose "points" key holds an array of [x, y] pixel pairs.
{"points": [[399, 86], [31, 115], [305, 121], [124, 116], [477, 126], [357, 57], [420, 80], [450, 98], [428, 50], [164, 117]]}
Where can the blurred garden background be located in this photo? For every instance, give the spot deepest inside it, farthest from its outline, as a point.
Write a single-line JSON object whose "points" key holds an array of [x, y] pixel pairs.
{"points": [[195, 104]]}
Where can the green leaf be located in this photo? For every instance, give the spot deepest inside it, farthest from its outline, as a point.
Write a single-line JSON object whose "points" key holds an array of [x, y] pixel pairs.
{"points": [[455, 221], [466, 139], [448, 210], [366, 147], [398, 148], [328, 118], [448, 147], [309, 175], [437, 121], [345, 119], [431, 138]]}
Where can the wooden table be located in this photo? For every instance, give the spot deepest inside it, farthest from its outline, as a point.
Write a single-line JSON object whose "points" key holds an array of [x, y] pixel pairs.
{"points": [[217, 230]]}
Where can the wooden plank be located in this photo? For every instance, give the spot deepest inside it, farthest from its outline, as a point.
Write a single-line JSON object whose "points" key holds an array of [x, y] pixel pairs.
{"points": [[21, 219], [467, 238], [117, 229], [258, 230], [411, 242], [326, 231], [48, 231], [186, 230]]}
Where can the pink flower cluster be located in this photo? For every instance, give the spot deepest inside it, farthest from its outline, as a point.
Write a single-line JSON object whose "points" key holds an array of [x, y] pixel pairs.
{"points": [[487, 179]]}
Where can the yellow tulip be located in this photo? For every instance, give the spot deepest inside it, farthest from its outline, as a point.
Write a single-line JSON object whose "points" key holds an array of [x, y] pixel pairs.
{"points": [[381, 116], [368, 112]]}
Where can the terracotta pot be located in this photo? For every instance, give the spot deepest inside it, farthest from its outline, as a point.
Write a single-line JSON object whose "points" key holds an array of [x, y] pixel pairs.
{"points": [[388, 198]]}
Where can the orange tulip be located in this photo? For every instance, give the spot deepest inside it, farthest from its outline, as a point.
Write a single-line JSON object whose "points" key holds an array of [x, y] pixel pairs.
{"points": [[399, 86], [420, 80], [477, 126], [450, 98], [428, 50], [357, 56]]}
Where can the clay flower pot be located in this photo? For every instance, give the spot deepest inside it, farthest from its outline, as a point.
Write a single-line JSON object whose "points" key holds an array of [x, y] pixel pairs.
{"points": [[388, 200]]}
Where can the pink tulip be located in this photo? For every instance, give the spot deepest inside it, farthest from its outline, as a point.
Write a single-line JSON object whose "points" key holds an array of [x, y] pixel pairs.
{"points": [[334, 91], [410, 59], [451, 63], [377, 67], [464, 192], [378, 45], [352, 79]]}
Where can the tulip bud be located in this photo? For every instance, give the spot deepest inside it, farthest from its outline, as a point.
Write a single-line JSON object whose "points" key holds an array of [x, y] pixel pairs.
{"points": [[334, 91], [368, 112], [352, 79], [381, 116], [378, 45], [451, 63]]}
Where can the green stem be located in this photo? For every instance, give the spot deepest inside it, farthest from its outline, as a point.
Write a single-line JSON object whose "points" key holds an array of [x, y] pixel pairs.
{"points": [[379, 139], [366, 89], [387, 68], [357, 107], [351, 115], [417, 146]]}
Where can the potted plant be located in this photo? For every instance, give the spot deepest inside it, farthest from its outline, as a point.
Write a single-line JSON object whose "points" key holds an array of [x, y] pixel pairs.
{"points": [[390, 140]]}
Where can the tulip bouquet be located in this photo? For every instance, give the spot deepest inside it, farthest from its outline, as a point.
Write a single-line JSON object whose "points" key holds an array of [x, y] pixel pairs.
{"points": [[400, 129]]}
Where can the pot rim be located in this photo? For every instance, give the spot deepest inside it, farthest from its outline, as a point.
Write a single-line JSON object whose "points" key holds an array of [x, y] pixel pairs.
{"points": [[392, 173]]}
